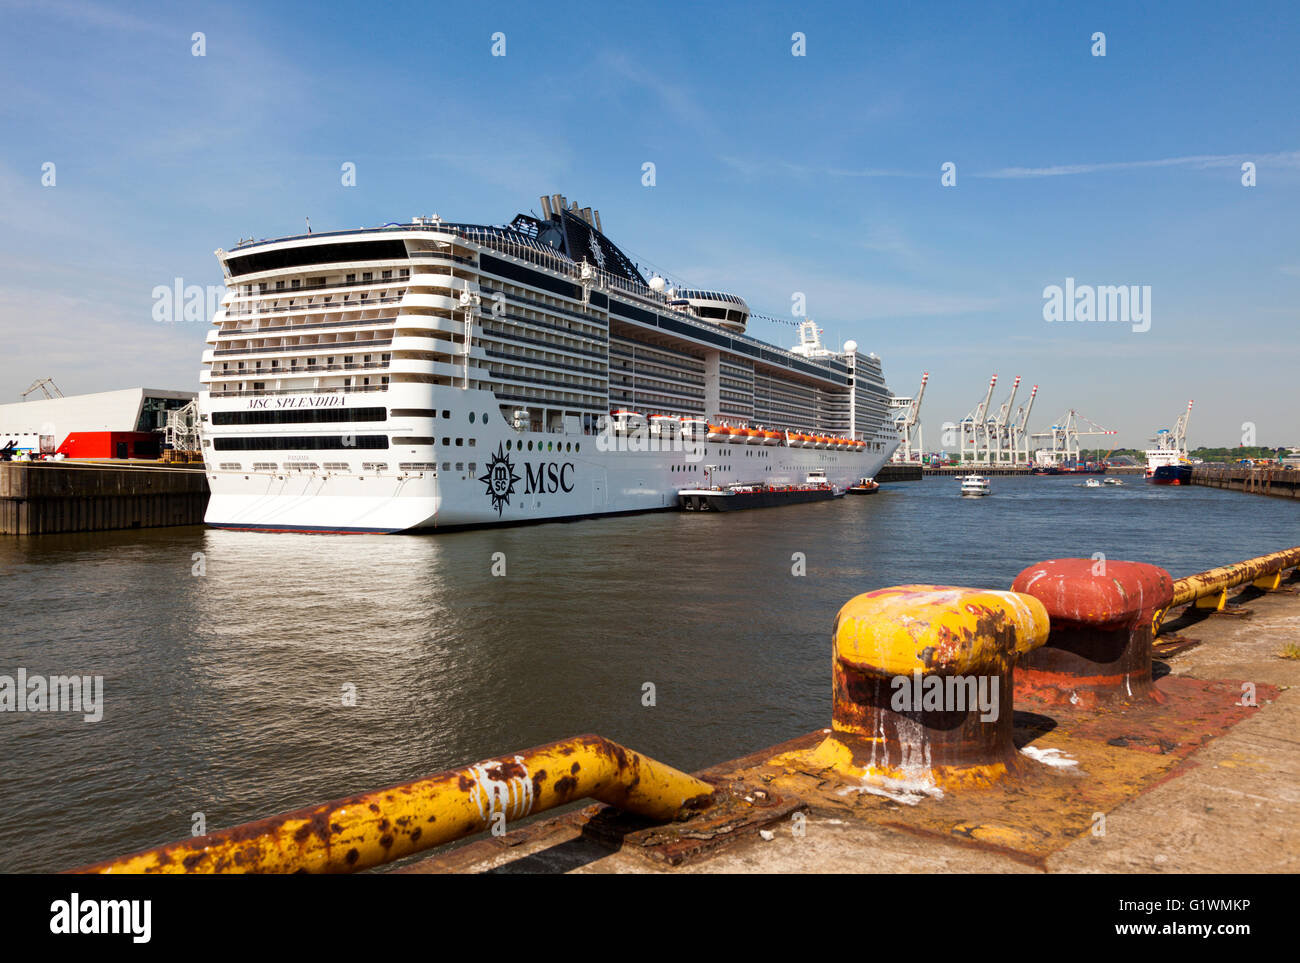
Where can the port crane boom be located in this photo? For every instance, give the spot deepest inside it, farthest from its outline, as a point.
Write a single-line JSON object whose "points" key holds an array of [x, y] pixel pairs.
{"points": [[909, 431], [46, 385]]}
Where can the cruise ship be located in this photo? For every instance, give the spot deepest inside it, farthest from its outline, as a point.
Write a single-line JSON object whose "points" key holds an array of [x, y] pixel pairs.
{"points": [[433, 375]]}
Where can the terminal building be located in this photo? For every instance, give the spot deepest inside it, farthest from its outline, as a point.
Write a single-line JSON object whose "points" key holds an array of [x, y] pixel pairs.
{"points": [[108, 424]]}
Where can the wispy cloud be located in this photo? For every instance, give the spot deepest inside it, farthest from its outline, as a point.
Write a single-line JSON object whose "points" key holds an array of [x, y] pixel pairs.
{"points": [[86, 14], [749, 167], [678, 103], [1290, 159]]}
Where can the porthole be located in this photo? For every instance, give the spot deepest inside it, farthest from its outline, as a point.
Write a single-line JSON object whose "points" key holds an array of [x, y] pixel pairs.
{"points": [[530, 446], [485, 414], [471, 417]]}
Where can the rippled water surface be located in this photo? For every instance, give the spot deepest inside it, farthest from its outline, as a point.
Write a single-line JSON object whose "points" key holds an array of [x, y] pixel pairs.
{"points": [[224, 692]]}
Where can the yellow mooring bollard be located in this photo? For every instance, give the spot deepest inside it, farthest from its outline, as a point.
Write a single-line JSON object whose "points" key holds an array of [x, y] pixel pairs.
{"points": [[923, 685]]}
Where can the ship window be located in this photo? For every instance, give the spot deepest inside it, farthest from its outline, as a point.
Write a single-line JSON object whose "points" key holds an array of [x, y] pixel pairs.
{"points": [[471, 417], [530, 446], [446, 414], [299, 442], [460, 442]]}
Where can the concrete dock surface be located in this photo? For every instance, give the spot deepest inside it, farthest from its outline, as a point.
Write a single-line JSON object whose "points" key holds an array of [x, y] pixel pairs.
{"points": [[1201, 783]]}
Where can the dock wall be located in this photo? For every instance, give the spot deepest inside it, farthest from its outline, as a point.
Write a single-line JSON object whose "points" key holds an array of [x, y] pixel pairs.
{"points": [[1277, 482], [41, 498]]}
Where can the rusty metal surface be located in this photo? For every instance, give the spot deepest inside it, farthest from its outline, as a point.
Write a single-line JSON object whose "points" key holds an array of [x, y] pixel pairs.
{"points": [[1104, 617], [911, 666], [378, 827], [1212, 584]]}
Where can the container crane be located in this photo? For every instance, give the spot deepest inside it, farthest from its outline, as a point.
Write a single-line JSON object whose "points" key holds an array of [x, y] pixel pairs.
{"points": [[908, 425], [998, 432], [974, 423], [1018, 427]]}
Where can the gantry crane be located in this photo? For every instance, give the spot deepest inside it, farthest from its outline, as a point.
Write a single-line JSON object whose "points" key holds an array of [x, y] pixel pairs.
{"points": [[974, 424], [910, 447], [999, 449]]}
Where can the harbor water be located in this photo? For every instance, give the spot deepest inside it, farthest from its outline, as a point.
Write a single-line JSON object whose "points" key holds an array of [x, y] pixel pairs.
{"points": [[229, 658]]}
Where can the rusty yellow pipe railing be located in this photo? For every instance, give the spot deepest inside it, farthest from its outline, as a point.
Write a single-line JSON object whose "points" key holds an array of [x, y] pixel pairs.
{"points": [[1209, 590], [363, 831]]}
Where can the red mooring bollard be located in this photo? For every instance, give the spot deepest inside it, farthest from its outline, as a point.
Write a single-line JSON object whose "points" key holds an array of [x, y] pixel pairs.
{"points": [[1104, 616]]}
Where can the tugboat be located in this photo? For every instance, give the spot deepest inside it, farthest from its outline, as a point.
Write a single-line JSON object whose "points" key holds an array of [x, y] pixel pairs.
{"points": [[975, 485], [732, 498], [864, 486]]}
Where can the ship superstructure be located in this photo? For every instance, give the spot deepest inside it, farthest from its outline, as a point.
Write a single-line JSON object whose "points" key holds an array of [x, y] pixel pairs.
{"points": [[431, 374]]}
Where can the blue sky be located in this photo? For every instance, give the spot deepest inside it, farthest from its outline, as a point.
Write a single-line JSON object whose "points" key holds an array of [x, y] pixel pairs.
{"points": [[774, 174]]}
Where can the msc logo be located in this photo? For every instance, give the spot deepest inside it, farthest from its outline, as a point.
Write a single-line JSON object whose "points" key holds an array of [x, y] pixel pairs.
{"points": [[500, 479], [549, 477]]}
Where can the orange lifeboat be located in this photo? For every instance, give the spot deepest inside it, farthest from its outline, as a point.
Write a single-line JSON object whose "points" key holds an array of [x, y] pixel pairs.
{"points": [[771, 437], [753, 436]]}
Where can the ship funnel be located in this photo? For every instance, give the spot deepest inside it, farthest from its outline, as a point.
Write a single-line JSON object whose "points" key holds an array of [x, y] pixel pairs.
{"points": [[546, 207]]}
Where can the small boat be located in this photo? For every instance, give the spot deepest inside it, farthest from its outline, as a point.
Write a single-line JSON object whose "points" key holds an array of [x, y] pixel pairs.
{"points": [[1092, 483], [1112, 481], [864, 486], [975, 485]]}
